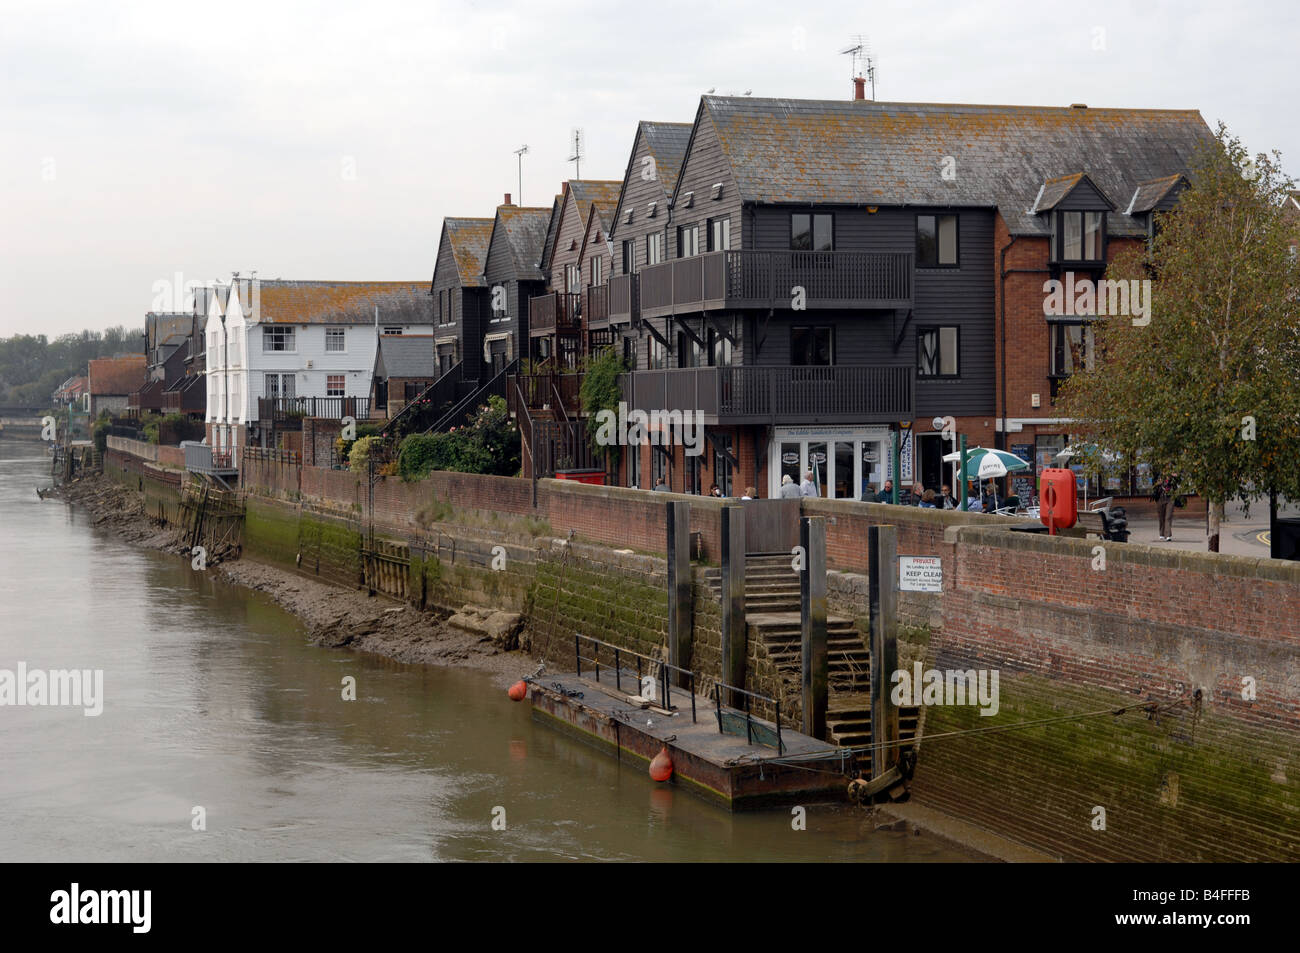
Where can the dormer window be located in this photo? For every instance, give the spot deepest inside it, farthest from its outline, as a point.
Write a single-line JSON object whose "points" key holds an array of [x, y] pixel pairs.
{"points": [[1081, 235]]}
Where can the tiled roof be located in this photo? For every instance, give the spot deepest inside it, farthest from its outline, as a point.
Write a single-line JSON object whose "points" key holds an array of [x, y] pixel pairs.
{"points": [[587, 191], [116, 375], [1149, 194], [407, 355], [871, 153], [667, 142], [343, 302], [469, 239], [524, 230]]}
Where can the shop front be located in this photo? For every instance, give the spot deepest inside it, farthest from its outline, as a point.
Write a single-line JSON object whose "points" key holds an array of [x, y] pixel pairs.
{"points": [[847, 463]]}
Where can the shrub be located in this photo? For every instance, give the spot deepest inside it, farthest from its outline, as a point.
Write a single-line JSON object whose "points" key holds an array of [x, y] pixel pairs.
{"points": [[600, 391], [489, 443]]}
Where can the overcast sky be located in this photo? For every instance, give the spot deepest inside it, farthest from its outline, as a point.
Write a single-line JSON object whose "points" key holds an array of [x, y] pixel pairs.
{"points": [[327, 140]]}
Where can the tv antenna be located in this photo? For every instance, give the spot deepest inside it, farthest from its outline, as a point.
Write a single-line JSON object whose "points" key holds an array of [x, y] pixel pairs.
{"points": [[520, 153], [576, 158], [861, 55]]}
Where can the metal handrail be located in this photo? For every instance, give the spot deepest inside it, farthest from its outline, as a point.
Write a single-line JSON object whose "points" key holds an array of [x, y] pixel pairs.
{"points": [[661, 677], [718, 688]]}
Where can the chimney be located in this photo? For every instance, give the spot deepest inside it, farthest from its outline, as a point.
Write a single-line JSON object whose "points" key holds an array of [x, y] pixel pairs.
{"points": [[859, 87], [507, 201]]}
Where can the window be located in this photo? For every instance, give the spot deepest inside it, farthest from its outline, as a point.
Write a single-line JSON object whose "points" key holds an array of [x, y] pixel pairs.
{"points": [[719, 234], [654, 249], [721, 465], [334, 339], [412, 389], [692, 474], [719, 349], [572, 278], [272, 386], [630, 352], [658, 354], [689, 352], [812, 346], [688, 241], [1072, 348], [634, 465], [1081, 236], [936, 241], [395, 332], [936, 352], [811, 232], [658, 467], [598, 271], [334, 385], [277, 339], [629, 256]]}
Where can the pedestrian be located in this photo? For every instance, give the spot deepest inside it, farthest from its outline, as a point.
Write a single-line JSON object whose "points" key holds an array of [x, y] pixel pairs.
{"points": [[661, 486], [808, 487], [886, 495], [948, 501], [1166, 495], [789, 489]]}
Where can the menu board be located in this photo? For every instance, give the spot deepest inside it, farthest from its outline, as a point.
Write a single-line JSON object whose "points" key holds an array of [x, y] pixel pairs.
{"points": [[1022, 484]]}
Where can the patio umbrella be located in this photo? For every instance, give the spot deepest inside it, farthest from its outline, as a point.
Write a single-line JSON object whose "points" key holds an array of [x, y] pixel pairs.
{"points": [[986, 464]]}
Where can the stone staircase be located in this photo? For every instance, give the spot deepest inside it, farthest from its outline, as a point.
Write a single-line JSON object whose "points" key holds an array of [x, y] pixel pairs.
{"points": [[773, 619]]}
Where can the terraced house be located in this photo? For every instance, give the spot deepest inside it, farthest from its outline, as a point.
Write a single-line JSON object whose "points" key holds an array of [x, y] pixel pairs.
{"points": [[281, 351], [823, 281]]}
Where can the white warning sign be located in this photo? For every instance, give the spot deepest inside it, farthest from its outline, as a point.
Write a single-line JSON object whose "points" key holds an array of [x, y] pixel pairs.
{"points": [[920, 574]]}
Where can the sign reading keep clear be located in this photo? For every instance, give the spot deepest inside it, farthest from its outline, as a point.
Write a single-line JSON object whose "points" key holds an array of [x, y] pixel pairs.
{"points": [[920, 574]]}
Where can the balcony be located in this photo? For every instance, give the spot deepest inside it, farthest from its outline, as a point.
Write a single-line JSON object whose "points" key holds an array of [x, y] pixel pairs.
{"points": [[596, 307], [287, 413], [554, 313], [624, 297], [780, 394], [558, 393], [728, 280]]}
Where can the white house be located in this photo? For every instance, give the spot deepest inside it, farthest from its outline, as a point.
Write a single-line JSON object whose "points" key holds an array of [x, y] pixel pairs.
{"points": [[299, 347]]}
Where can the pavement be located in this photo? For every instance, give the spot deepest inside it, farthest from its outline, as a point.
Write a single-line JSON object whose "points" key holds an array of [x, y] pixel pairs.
{"points": [[1239, 535]]}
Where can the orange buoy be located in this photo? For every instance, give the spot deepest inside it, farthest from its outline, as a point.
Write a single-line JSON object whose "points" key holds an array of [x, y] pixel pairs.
{"points": [[518, 690], [661, 768]]}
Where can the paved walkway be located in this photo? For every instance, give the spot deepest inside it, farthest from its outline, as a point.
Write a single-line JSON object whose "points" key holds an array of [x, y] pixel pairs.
{"points": [[1238, 536]]}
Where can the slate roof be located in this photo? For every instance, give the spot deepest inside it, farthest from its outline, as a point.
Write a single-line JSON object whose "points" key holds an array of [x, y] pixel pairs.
{"points": [[406, 355], [552, 229], [116, 376], [1150, 194], [342, 302], [469, 239], [874, 153], [588, 191], [524, 231], [667, 142]]}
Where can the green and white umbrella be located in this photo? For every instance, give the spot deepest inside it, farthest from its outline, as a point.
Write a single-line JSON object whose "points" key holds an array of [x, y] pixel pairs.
{"points": [[986, 464]]}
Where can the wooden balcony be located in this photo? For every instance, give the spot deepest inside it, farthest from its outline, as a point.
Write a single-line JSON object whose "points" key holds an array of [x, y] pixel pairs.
{"points": [[779, 394], [728, 280], [558, 393], [554, 313], [596, 307], [624, 296], [287, 413]]}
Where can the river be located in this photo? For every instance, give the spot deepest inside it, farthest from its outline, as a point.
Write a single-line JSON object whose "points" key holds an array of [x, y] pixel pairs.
{"points": [[214, 699]]}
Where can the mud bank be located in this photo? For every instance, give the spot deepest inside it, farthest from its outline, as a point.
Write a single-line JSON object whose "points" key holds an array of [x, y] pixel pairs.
{"points": [[333, 616]]}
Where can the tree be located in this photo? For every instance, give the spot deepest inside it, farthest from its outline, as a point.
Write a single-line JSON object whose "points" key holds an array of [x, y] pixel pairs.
{"points": [[599, 391], [1206, 386]]}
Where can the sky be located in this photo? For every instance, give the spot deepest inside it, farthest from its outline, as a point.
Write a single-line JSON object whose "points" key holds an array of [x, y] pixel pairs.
{"points": [[146, 145]]}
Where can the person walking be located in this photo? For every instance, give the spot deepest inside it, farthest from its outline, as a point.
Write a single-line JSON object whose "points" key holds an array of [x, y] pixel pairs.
{"points": [[789, 489], [808, 487], [1166, 493]]}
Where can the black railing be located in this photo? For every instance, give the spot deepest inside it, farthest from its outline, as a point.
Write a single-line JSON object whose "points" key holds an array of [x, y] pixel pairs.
{"points": [[596, 308], [554, 312], [624, 298], [283, 411], [778, 393], [644, 663], [777, 279], [460, 411], [752, 729], [431, 404]]}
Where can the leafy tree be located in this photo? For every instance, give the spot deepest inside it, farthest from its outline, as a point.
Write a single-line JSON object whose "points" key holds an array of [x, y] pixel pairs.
{"points": [[1208, 387], [600, 390]]}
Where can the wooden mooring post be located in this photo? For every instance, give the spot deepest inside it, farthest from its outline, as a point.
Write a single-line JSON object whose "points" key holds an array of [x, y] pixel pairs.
{"points": [[812, 614], [680, 614], [733, 600], [882, 542]]}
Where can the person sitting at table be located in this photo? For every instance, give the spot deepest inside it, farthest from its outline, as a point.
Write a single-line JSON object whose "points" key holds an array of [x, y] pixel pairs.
{"points": [[886, 495], [973, 502], [992, 500], [946, 500], [928, 501]]}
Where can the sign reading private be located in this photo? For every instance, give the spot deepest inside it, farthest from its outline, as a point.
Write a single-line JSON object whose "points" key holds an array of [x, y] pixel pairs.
{"points": [[920, 574]]}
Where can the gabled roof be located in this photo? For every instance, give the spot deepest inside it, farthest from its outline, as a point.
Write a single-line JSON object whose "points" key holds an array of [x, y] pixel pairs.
{"points": [[406, 355], [1054, 191], [1151, 193], [855, 152], [524, 232], [585, 193], [603, 214], [116, 375], [667, 141], [469, 239], [552, 229], [341, 302]]}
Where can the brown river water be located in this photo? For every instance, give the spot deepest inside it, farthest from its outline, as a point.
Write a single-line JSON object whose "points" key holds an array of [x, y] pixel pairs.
{"points": [[213, 699]]}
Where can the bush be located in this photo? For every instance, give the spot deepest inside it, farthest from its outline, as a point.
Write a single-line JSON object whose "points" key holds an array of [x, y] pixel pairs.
{"points": [[489, 443], [600, 391]]}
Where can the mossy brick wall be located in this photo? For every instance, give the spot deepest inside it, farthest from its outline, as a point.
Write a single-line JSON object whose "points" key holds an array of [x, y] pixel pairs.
{"points": [[159, 488], [330, 545], [1216, 779], [466, 572]]}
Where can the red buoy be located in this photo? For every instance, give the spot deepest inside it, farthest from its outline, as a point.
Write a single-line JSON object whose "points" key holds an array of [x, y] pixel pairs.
{"points": [[661, 768], [518, 690]]}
